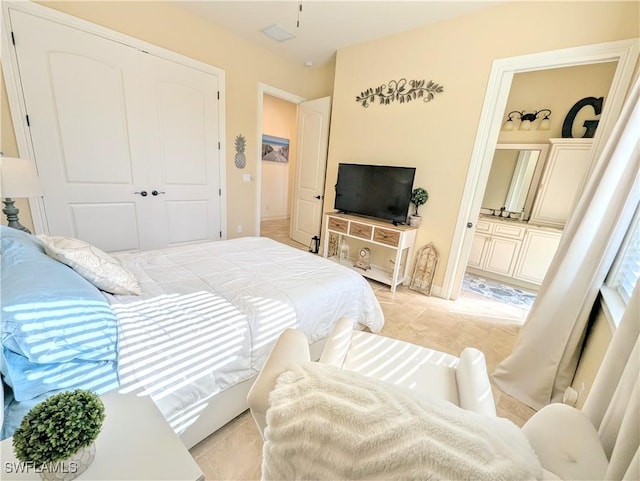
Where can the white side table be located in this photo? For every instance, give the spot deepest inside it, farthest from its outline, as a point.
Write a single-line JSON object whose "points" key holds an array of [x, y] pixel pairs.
{"points": [[136, 442]]}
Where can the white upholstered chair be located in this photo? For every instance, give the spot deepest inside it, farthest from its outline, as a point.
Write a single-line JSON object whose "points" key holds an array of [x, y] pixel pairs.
{"points": [[463, 381]]}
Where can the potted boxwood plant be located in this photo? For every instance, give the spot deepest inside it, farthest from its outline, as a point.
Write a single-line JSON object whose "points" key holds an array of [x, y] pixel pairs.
{"points": [[419, 196], [57, 436]]}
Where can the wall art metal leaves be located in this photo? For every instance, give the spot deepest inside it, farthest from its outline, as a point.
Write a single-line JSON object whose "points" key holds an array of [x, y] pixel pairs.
{"points": [[403, 90]]}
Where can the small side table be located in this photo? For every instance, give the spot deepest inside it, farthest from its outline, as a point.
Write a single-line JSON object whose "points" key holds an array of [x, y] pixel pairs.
{"points": [[136, 442]]}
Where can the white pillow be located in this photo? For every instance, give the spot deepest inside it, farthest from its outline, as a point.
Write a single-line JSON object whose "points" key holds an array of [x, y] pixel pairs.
{"points": [[96, 266]]}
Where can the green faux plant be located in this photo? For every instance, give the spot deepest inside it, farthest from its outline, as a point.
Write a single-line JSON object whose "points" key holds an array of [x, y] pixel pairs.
{"points": [[419, 196], [58, 427]]}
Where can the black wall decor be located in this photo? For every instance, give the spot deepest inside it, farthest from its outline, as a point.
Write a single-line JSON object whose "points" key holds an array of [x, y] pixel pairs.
{"points": [[589, 125], [402, 90]]}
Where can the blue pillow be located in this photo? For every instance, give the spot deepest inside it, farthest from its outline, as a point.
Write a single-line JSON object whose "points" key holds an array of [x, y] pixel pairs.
{"points": [[29, 380], [49, 312]]}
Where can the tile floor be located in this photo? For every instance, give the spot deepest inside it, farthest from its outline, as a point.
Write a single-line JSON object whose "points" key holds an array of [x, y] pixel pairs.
{"points": [[235, 451]]}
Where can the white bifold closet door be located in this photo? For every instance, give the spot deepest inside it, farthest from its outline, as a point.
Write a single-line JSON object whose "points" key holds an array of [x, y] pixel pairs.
{"points": [[126, 143]]}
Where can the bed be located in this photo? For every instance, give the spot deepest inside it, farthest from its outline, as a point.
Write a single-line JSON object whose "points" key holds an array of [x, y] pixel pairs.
{"points": [[192, 335]]}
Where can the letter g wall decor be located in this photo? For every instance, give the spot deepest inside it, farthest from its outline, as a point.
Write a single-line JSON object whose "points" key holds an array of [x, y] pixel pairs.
{"points": [[589, 125], [403, 90]]}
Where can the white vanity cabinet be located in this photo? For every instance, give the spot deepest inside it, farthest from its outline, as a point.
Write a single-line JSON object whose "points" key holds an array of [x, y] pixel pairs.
{"points": [[496, 246], [538, 248], [562, 180], [512, 251]]}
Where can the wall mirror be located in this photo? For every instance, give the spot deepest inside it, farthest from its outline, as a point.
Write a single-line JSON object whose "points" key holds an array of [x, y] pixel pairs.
{"points": [[514, 177]]}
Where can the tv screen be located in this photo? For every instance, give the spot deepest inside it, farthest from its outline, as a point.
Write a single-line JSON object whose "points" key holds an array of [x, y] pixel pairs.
{"points": [[380, 191]]}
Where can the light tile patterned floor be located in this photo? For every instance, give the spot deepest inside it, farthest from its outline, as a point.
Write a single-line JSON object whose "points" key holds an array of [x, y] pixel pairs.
{"points": [[235, 451]]}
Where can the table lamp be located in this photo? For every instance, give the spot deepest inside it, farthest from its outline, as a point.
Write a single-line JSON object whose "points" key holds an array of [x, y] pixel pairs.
{"points": [[18, 179]]}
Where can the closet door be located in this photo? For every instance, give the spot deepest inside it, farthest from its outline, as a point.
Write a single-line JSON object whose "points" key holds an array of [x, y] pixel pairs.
{"points": [[109, 123], [173, 112]]}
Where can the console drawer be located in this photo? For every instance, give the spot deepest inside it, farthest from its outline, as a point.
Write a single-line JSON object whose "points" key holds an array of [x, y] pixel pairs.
{"points": [[386, 236], [338, 225], [360, 230]]}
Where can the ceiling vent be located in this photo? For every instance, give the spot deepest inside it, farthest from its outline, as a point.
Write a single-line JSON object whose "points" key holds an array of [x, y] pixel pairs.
{"points": [[277, 33]]}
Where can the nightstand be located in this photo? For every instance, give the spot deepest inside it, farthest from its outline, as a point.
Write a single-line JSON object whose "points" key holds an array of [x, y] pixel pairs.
{"points": [[136, 442]]}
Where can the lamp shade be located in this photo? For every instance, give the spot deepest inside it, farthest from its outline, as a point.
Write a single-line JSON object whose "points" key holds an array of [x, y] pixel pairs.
{"points": [[508, 125], [545, 124], [18, 178], [525, 125]]}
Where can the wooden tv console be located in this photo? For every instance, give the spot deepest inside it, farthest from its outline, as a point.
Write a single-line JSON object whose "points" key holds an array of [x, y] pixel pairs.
{"points": [[401, 239]]}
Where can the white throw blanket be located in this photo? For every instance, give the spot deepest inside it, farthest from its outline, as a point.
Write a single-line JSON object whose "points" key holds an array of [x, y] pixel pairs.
{"points": [[327, 424]]}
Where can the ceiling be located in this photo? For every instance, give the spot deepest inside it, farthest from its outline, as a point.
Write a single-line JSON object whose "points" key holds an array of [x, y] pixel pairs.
{"points": [[325, 26]]}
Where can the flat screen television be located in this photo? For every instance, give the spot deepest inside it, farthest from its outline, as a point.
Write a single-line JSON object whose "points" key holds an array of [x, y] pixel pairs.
{"points": [[380, 191]]}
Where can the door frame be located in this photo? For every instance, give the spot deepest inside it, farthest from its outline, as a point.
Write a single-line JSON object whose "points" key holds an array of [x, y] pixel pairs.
{"points": [[9, 60], [281, 94], [625, 52]]}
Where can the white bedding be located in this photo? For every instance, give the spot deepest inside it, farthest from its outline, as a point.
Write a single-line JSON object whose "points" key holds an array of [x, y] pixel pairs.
{"points": [[210, 313]]}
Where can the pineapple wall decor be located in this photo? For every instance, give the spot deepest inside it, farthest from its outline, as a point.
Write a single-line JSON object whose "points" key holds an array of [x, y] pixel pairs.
{"points": [[403, 90], [241, 145]]}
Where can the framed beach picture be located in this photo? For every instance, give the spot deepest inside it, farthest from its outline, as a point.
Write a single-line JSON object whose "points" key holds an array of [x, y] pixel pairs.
{"points": [[275, 149]]}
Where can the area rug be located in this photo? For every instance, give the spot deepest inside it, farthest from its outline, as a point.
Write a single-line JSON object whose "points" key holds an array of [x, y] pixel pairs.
{"points": [[499, 292]]}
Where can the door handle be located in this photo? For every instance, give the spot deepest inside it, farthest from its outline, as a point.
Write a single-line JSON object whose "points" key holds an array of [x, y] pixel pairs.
{"points": [[319, 197], [155, 192], [144, 193]]}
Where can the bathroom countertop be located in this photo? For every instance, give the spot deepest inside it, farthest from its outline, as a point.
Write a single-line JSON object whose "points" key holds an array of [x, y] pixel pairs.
{"points": [[512, 220]]}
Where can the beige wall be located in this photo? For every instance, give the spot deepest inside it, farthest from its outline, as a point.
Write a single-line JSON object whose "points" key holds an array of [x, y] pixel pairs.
{"points": [[557, 90], [245, 65], [278, 119], [438, 137]]}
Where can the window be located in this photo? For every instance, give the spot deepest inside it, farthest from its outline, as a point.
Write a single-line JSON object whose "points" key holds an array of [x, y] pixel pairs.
{"points": [[625, 271]]}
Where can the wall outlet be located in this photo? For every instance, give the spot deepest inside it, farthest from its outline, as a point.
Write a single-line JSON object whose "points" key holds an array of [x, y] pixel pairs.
{"points": [[246, 177], [239, 228]]}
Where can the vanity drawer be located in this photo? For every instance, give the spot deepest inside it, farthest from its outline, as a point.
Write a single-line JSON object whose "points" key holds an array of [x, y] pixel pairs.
{"points": [[483, 226], [512, 231], [386, 236], [338, 225], [360, 230]]}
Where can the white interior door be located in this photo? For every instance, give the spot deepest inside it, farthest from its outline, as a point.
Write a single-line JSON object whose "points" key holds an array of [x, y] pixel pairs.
{"points": [[107, 123], [178, 119], [313, 140]]}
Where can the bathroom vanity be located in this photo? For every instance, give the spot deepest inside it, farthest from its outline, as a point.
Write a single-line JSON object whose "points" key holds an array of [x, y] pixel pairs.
{"points": [[512, 251]]}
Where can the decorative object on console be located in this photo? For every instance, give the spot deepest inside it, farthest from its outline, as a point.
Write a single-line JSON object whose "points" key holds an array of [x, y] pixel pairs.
{"points": [[400, 91], [589, 125], [526, 119], [333, 244], [344, 251], [58, 434], [419, 196], [19, 179], [241, 145], [425, 268], [364, 259]]}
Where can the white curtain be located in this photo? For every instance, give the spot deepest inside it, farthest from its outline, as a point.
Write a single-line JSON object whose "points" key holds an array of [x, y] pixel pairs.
{"points": [[612, 405], [546, 353]]}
